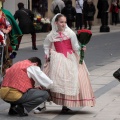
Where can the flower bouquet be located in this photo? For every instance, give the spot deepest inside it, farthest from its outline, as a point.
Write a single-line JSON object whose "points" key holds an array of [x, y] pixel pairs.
{"points": [[45, 20], [83, 36], [45, 24]]}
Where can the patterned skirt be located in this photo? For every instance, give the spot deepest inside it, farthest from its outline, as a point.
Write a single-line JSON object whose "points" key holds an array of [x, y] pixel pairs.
{"points": [[85, 96]]}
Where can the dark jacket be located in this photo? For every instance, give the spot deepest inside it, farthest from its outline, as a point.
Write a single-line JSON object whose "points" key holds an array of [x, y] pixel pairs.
{"points": [[25, 17], [102, 6], [69, 11], [89, 11]]}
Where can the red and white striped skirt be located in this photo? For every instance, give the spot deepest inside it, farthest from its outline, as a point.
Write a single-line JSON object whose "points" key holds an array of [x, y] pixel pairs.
{"points": [[85, 97]]}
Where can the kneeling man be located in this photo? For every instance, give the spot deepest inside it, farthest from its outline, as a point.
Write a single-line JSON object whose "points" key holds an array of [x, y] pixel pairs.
{"points": [[18, 86]]}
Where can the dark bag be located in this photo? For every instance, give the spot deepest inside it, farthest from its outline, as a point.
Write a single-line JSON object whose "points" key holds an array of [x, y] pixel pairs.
{"points": [[56, 10], [116, 74]]}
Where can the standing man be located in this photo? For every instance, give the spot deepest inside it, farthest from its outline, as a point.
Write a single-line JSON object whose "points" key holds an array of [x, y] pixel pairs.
{"points": [[25, 18], [18, 86], [57, 6], [79, 8]]}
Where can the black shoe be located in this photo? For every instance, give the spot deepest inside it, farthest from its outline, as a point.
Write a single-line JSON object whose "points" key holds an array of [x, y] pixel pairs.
{"points": [[39, 110], [34, 48], [20, 110], [66, 110], [12, 112]]}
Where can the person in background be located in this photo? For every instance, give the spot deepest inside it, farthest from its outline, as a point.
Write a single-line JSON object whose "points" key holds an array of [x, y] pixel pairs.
{"points": [[25, 18], [79, 17], [71, 83], [84, 17], [89, 12], [41, 6], [114, 9], [102, 6], [9, 33], [5, 28], [65, 1], [18, 86], [60, 4], [70, 13]]}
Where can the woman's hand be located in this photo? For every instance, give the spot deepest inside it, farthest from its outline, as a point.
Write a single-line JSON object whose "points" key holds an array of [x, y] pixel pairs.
{"points": [[6, 31], [47, 58]]}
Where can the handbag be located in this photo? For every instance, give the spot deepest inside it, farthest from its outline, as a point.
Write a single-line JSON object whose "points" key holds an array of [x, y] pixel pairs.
{"points": [[116, 74]]}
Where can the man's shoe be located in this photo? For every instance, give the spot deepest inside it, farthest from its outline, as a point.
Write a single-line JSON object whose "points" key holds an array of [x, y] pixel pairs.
{"points": [[66, 110], [12, 112], [34, 48], [20, 110], [39, 110]]}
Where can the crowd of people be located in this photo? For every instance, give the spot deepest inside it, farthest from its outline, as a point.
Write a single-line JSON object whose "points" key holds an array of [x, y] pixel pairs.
{"points": [[63, 79], [82, 14]]}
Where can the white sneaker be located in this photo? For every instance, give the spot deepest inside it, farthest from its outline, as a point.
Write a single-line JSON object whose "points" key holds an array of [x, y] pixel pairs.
{"points": [[39, 110]]}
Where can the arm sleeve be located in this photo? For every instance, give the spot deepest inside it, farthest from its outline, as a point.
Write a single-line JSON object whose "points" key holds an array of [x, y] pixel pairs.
{"points": [[75, 44], [47, 45], [81, 3], [39, 77], [94, 10], [31, 15], [15, 16]]}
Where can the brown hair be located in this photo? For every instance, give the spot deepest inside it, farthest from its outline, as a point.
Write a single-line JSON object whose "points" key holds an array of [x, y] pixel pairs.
{"points": [[36, 59], [59, 16]]}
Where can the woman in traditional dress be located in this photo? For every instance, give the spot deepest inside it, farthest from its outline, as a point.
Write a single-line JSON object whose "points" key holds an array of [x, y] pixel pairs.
{"points": [[71, 83]]}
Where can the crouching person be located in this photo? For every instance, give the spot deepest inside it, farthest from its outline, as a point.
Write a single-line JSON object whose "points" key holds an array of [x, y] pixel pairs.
{"points": [[18, 86]]}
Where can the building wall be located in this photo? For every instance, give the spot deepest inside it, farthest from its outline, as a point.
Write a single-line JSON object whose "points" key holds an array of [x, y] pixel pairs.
{"points": [[13, 7], [8, 6]]}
